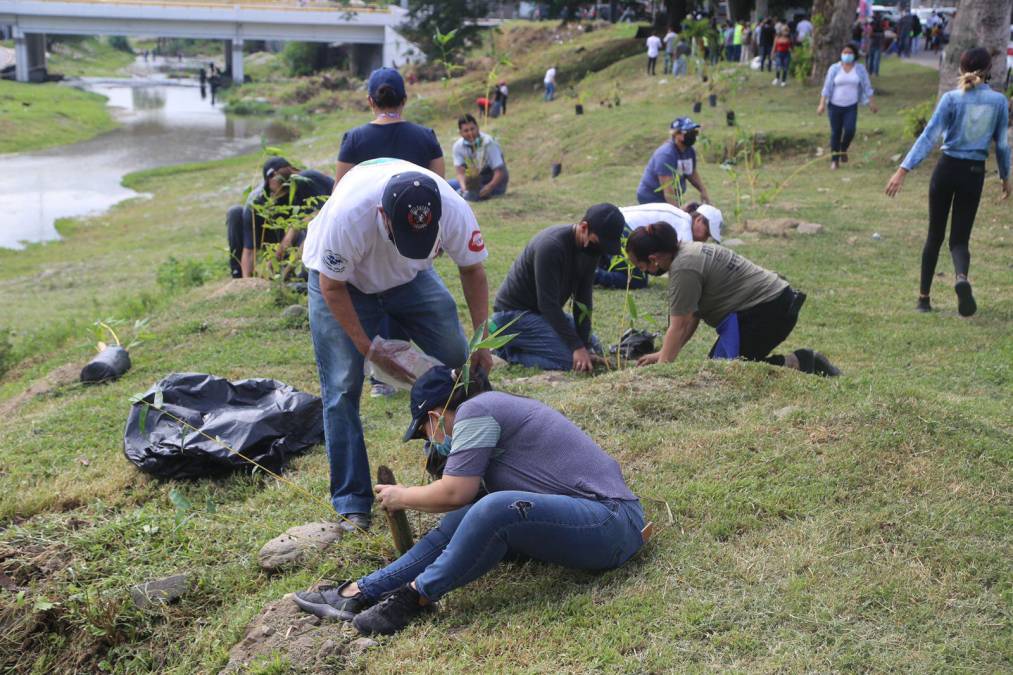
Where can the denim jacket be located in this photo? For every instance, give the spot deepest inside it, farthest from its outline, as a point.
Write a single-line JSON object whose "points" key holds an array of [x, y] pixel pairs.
{"points": [[967, 121], [865, 90]]}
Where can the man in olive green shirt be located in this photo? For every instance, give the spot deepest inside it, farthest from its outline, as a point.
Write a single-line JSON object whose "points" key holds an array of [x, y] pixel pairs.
{"points": [[753, 309]]}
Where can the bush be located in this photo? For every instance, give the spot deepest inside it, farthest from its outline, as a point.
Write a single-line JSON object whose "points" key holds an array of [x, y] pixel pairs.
{"points": [[301, 58], [120, 43], [802, 61], [916, 117], [175, 275], [6, 351]]}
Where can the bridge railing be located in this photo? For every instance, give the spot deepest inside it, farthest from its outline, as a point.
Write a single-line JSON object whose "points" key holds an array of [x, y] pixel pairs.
{"points": [[276, 5]]}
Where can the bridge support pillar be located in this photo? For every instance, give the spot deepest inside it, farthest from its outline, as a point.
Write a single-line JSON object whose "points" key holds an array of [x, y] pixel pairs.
{"points": [[29, 56], [234, 60]]}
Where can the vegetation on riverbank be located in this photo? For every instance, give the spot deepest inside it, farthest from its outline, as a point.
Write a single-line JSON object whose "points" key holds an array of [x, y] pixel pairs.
{"points": [[853, 524], [35, 116], [88, 57]]}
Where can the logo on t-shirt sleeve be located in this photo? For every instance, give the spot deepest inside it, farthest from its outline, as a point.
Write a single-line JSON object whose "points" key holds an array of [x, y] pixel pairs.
{"points": [[334, 262], [476, 243]]}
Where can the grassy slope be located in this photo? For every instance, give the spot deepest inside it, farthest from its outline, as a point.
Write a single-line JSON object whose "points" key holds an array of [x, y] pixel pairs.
{"points": [[865, 525], [34, 116], [92, 57]]}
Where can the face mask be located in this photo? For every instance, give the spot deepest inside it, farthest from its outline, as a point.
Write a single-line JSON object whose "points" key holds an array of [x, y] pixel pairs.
{"points": [[689, 138], [847, 58], [436, 456]]}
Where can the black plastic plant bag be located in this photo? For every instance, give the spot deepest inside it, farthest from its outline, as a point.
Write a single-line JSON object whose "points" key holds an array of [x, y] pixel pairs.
{"points": [[264, 420], [110, 364]]}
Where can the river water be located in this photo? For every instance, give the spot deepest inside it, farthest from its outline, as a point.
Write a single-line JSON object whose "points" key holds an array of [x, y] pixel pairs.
{"points": [[162, 121]]}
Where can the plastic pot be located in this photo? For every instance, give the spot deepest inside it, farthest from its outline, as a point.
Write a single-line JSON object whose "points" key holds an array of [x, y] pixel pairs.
{"points": [[579, 109], [109, 365], [730, 118], [557, 169], [697, 106], [712, 99]]}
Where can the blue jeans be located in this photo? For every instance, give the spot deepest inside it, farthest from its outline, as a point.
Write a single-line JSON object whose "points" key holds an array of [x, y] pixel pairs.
{"points": [[537, 344], [843, 120], [668, 63], [568, 531], [872, 61], [616, 277], [473, 196], [550, 91], [427, 313], [781, 62], [680, 67]]}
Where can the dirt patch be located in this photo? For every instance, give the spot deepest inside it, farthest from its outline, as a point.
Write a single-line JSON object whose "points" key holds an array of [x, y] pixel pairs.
{"points": [[780, 227], [305, 643], [237, 286], [24, 563], [61, 377]]}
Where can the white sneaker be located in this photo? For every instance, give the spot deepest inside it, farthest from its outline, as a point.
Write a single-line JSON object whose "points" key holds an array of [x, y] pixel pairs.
{"points": [[785, 83], [381, 390], [775, 82]]}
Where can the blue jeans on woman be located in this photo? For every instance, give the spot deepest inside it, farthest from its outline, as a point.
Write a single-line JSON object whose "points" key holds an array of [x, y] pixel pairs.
{"points": [[537, 344], [427, 313], [568, 531], [843, 120], [781, 62], [872, 60]]}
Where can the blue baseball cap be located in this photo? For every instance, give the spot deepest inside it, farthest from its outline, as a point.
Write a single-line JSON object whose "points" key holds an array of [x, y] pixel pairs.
{"points": [[273, 164], [684, 124], [412, 202], [432, 390], [388, 76]]}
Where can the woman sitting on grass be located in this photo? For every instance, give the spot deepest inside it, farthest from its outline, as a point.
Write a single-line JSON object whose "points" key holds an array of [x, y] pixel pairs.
{"points": [[515, 477]]}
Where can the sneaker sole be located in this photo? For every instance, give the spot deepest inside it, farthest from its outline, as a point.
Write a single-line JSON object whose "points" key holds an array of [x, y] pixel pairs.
{"points": [[324, 611], [966, 306]]}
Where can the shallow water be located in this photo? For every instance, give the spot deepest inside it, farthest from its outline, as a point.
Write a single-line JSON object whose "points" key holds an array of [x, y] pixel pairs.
{"points": [[163, 122]]}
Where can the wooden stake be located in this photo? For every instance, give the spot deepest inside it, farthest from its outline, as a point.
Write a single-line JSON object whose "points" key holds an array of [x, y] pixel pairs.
{"points": [[397, 521]]}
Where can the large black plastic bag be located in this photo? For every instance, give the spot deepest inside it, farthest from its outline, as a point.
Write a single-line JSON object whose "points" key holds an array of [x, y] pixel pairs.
{"points": [[265, 420]]}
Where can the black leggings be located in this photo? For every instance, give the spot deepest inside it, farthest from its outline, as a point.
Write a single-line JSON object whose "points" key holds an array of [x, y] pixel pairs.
{"points": [[652, 62], [956, 182]]}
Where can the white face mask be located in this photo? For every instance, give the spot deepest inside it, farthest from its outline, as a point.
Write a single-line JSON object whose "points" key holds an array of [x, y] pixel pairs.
{"points": [[847, 58]]}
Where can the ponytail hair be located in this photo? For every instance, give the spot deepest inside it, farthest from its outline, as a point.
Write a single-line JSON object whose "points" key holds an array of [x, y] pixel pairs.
{"points": [[975, 67], [657, 237], [388, 98]]}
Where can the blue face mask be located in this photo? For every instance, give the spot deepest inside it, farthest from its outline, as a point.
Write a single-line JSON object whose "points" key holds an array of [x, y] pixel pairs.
{"points": [[436, 456], [847, 58]]}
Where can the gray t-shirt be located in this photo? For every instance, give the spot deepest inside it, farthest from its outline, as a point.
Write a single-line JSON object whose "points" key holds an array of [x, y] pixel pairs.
{"points": [[710, 281], [517, 443]]}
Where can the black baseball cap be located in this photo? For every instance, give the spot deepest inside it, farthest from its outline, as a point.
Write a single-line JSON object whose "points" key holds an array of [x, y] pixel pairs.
{"points": [[430, 391], [272, 165], [412, 202], [607, 221]]}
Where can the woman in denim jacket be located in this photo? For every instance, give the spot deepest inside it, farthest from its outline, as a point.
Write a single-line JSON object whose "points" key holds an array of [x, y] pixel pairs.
{"points": [[846, 85], [968, 119]]}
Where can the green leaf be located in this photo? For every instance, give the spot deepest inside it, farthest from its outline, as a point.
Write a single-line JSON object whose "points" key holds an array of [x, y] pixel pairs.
{"points": [[631, 306], [496, 341], [43, 604], [272, 150], [210, 506], [582, 311]]}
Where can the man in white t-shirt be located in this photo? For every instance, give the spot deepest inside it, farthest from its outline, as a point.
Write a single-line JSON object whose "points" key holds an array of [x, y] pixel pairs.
{"points": [[698, 223], [370, 253], [653, 47], [803, 30], [670, 39], [550, 83]]}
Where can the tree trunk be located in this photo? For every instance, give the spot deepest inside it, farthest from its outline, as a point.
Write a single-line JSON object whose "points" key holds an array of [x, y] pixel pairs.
{"points": [[832, 23], [676, 10], [978, 23]]}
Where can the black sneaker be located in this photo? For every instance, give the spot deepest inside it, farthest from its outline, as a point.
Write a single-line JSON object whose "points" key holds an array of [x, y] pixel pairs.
{"points": [[354, 522], [966, 306], [822, 366], [923, 305], [328, 603], [397, 609]]}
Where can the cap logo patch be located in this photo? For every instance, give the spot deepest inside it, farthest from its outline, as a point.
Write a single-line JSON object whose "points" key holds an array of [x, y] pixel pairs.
{"points": [[476, 243], [420, 216]]}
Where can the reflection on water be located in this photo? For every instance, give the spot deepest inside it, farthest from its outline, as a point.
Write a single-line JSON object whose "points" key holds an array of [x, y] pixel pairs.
{"points": [[163, 122]]}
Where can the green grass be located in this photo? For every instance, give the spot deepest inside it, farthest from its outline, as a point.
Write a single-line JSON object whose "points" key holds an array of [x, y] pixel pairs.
{"points": [[91, 57], [35, 116], [859, 524]]}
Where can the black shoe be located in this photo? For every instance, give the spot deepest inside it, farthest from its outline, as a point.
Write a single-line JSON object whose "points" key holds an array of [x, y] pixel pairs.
{"points": [[923, 305], [328, 603], [354, 522], [397, 609], [966, 306], [844, 158], [822, 366]]}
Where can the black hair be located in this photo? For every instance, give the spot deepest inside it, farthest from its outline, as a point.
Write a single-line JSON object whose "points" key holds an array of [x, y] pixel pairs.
{"points": [[692, 207], [657, 237], [852, 46], [387, 97], [478, 383], [975, 67], [466, 119]]}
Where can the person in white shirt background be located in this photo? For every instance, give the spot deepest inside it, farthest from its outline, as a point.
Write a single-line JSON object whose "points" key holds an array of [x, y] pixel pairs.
{"points": [[550, 83], [653, 47], [670, 38], [803, 30], [370, 253], [846, 85]]}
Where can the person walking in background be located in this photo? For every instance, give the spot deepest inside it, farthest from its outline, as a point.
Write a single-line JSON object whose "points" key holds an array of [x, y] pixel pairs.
{"points": [[766, 42], [670, 37], [737, 31], [845, 86], [501, 96], [653, 47], [875, 53], [905, 29], [682, 52], [782, 57], [803, 30], [550, 83], [729, 41], [388, 135], [968, 119]]}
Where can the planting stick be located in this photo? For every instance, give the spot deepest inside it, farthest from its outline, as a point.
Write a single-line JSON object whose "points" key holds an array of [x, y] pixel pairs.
{"points": [[397, 521]]}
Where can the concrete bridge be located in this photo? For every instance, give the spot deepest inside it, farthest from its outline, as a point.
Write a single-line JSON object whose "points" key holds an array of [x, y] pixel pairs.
{"points": [[370, 31]]}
